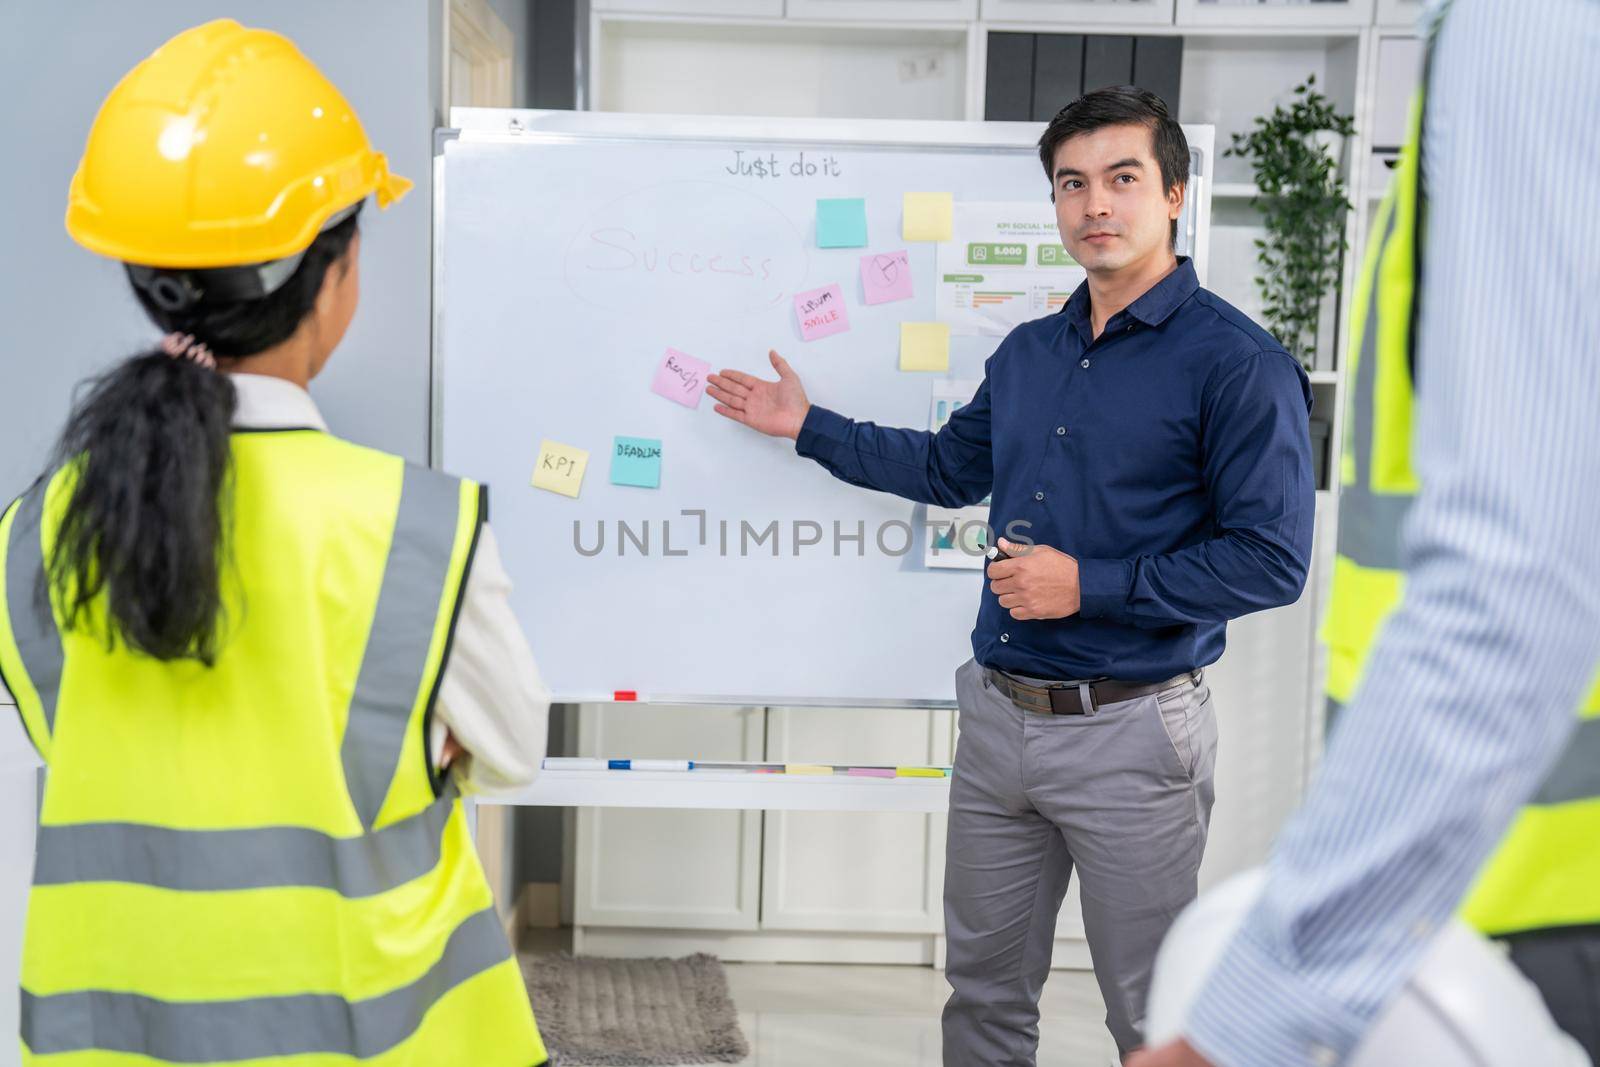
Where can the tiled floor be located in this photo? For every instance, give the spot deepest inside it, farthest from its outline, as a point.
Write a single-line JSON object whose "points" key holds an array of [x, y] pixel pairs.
{"points": [[860, 1016]]}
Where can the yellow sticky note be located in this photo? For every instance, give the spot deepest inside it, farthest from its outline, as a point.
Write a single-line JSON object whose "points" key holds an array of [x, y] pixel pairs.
{"points": [[927, 216], [806, 768], [919, 772], [924, 346], [559, 468]]}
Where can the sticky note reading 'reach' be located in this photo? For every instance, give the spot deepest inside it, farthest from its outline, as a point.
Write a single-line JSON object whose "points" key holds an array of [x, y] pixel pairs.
{"points": [[681, 377], [928, 216], [560, 468], [924, 346]]}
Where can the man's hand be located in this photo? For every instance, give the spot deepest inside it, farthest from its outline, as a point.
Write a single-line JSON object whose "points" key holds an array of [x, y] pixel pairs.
{"points": [[775, 408], [1173, 1054], [1039, 582]]}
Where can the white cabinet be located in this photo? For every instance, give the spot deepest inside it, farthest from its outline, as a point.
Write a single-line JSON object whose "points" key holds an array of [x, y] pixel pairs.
{"points": [[650, 867], [1252, 14], [1080, 13], [772, 9], [880, 872], [884, 10], [1399, 73], [1400, 14]]}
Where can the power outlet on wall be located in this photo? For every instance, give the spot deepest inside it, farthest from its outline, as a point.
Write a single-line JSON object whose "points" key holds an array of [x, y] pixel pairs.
{"points": [[919, 68]]}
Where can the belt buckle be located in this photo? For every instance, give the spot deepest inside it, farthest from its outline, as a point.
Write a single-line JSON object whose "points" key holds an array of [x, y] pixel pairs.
{"points": [[1086, 705]]}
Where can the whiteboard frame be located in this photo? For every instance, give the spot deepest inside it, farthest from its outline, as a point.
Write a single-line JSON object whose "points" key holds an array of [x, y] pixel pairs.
{"points": [[528, 126]]}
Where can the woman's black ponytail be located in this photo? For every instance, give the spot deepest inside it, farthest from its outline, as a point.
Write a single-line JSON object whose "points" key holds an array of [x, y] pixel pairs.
{"points": [[149, 447]]}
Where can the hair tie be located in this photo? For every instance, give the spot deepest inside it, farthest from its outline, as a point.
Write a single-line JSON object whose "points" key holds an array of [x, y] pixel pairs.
{"points": [[184, 346]]}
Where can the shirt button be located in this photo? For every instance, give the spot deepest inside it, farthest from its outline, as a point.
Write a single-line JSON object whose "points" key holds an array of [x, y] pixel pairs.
{"points": [[1323, 1056], [1061, 431], [1130, 327], [1084, 364], [1038, 496], [1004, 638]]}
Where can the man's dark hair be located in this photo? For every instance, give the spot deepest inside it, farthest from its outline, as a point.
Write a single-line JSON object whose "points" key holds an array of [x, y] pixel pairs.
{"points": [[1121, 105]]}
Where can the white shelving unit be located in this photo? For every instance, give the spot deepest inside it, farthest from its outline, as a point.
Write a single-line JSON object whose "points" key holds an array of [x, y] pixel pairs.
{"points": [[927, 59], [1074, 15], [1295, 14]]}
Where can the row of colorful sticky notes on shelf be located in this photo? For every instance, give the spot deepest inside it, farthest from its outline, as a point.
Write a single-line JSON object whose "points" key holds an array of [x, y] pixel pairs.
{"points": [[842, 222]]}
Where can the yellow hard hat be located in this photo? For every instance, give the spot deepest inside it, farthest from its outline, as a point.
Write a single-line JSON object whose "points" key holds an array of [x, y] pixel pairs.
{"points": [[225, 147]]}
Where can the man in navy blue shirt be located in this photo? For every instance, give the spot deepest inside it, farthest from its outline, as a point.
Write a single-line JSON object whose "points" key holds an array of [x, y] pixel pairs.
{"points": [[1149, 458]]}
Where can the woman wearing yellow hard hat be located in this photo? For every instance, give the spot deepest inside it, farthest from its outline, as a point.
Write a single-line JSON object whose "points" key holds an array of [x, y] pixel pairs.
{"points": [[260, 662]]}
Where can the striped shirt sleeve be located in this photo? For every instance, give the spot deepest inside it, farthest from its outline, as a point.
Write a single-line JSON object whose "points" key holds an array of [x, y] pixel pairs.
{"points": [[1469, 694]]}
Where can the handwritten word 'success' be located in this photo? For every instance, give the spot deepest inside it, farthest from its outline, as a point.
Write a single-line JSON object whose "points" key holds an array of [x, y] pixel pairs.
{"points": [[770, 166], [626, 253]]}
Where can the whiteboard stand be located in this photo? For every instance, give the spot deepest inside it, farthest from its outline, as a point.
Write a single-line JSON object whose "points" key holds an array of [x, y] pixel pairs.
{"points": [[494, 313]]}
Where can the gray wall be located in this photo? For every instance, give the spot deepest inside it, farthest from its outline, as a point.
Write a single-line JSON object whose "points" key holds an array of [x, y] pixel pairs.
{"points": [[65, 313]]}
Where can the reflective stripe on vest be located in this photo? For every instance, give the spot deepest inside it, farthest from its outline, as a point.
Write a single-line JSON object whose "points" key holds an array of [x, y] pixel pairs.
{"points": [[1547, 871], [30, 654], [252, 860]]}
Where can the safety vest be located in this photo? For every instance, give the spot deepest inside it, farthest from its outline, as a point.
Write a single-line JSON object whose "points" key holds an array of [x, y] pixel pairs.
{"points": [[256, 861], [1546, 873]]}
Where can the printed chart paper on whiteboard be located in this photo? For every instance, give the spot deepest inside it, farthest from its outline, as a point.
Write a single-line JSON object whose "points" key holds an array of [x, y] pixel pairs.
{"points": [[1005, 265]]}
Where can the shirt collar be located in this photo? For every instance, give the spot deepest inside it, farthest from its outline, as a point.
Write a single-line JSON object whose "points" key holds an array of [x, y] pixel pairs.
{"points": [[1153, 308], [267, 403]]}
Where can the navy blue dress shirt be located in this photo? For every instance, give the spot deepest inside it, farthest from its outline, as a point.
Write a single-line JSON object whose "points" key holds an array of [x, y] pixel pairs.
{"points": [[1171, 456]]}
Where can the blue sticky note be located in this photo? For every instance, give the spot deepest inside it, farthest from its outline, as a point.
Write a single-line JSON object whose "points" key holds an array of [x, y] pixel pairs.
{"points": [[842, 223], [636, 461]]}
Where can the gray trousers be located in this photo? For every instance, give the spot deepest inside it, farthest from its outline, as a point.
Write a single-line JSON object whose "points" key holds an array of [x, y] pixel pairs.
{"points": [[1124, 796]]}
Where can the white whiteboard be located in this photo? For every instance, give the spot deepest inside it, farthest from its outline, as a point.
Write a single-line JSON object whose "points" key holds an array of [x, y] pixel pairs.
{"points": [[534, 341]]}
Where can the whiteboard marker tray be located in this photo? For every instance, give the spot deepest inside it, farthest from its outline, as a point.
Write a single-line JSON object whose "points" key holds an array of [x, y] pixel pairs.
{"points": [[729, 789]]}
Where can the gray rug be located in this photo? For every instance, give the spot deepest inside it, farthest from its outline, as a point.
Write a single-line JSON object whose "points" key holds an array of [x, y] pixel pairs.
{"points": [[596, 1012]]}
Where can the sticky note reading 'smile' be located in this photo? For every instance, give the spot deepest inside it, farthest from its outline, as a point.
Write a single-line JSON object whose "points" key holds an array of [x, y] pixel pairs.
{"points": [[886, 277], [636, 461], [928, 216], [681, 377], [560, 468], [821, 312]]}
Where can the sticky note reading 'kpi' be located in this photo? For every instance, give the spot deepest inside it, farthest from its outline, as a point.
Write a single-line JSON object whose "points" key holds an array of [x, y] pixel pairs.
{"points": [[841, 223], [924, 346], [560, 468], [886, 277], [681, 377], [821, 312], [636, 461], [928, 216]]}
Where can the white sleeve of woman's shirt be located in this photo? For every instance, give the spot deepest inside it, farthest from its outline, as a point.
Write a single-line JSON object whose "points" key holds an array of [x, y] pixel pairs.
{"points": [[491, 697]]}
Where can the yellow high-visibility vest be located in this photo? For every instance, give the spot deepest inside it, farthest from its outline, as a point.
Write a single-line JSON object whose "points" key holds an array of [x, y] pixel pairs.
{"points": [[255, 861], [1546, 873]]}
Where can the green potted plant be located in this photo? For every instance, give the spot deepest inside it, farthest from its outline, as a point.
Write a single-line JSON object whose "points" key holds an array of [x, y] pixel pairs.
{"points": [[1295, 151]]}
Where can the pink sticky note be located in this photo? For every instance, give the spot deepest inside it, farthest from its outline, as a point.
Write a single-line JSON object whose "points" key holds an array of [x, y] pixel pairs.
{"points": [[871, 772], [886, 277], [821, 312], [681, 377]]}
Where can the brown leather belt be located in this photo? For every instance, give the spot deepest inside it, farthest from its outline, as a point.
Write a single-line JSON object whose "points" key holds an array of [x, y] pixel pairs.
{"points": [[1079, 698]]}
